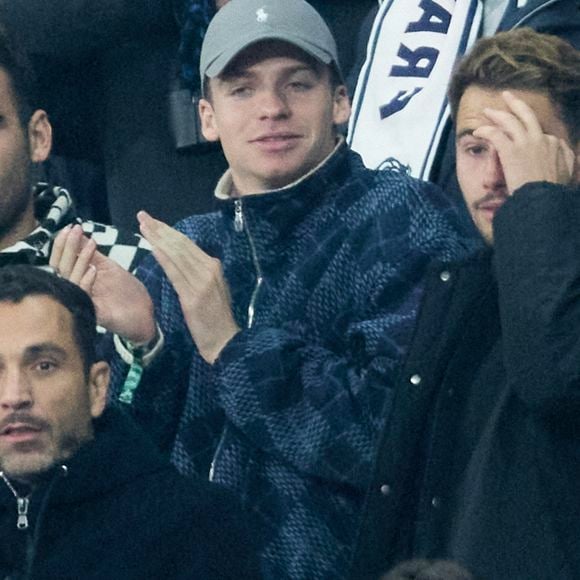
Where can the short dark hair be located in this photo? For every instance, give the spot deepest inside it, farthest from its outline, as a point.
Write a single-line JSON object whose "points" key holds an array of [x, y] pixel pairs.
{"points": [[20, 281], [526, 60], [23, 81]]}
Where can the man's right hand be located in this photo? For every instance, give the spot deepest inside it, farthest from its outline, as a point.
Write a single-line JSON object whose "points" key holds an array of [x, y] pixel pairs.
{"points": [[122, 303], [526, 153]]}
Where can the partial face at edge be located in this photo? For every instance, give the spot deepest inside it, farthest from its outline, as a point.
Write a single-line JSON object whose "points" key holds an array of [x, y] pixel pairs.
{"points": [[20, 148], [275, 115], [479, 171], [47, 404]]}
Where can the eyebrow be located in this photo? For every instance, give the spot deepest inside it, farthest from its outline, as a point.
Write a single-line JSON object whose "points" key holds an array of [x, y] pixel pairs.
{"points": [[239, 74], [43, 349], [464, 133]]}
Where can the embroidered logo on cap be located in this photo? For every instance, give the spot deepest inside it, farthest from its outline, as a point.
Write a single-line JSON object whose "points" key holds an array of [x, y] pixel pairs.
{"points": [[261, 15]]}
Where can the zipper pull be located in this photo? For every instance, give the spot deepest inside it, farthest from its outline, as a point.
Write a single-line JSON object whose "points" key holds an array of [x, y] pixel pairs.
{"points": [[238, 216], [22, 522]]}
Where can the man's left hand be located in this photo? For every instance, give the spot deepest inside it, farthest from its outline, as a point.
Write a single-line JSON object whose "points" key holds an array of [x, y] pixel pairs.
{"points": [[200, 285]]}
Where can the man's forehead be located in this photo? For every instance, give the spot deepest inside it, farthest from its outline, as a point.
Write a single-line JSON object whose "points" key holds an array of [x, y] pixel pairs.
{"points": [[35, 318]]}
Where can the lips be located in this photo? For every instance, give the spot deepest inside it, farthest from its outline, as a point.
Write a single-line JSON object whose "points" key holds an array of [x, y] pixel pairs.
{"points": [[490, 205], [21, 427], [276, 141], [18, 428]]}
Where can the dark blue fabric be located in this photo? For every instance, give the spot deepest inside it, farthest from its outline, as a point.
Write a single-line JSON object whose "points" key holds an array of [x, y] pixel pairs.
{"points": [[290, 410], [196, 17]]}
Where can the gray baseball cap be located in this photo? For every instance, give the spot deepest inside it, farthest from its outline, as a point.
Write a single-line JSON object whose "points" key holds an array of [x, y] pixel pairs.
{"points": [[241, 23]]}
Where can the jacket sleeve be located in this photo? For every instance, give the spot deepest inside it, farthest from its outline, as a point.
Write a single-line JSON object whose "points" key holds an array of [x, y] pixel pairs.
{"points": [[537, 250]]}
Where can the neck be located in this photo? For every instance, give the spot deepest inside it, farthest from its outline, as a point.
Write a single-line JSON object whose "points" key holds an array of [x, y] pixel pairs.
{"points": [[18, 487], [19, 231]]}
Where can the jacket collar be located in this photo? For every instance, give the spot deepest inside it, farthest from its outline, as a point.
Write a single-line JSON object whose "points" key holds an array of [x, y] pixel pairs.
{"points": [[225, 187], [118, 454], [273, 216], [517, 15]]}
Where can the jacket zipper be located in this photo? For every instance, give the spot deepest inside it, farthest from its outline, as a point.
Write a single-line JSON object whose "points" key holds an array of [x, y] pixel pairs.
{"points": [[239, 226], [22, 504]]}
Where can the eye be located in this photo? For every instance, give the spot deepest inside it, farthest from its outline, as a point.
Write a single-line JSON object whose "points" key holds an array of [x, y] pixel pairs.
{"points": [[476, 149], [300, 85], [45, 366], [241, 91]]}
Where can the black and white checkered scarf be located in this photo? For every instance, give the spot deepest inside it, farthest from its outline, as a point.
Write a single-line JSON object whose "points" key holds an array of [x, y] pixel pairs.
{"points": [[54, 210]]}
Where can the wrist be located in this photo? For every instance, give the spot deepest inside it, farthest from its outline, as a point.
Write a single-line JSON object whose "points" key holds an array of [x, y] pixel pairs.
{"points": [[142, 353], [211, 353]]}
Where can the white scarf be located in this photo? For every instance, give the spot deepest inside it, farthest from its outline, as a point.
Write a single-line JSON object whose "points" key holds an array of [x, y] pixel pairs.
{"points": [[400, 105]]}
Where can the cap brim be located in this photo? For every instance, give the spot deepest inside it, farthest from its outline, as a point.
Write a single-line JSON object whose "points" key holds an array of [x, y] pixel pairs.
{"points": [[217, 66]]}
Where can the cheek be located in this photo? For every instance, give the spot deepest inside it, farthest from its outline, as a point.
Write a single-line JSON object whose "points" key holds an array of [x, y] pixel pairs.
{"points": [[462, 168], [468, 182], [65, 402]]}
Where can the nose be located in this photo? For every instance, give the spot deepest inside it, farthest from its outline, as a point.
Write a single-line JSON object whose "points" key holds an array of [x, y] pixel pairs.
{"points": [[15, 390], [494, 176], [273, 104]]}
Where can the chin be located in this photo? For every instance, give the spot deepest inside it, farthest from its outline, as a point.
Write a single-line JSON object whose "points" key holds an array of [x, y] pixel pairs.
{"points": [[25, 466]]}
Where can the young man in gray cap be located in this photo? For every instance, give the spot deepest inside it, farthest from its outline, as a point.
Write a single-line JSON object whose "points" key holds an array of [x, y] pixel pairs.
{"points": [[284, 314]]}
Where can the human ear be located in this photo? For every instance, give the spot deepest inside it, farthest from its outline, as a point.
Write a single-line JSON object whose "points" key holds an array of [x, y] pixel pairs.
{"points": [[208, 120], [39, 136], [341, 105], [99, 378]]}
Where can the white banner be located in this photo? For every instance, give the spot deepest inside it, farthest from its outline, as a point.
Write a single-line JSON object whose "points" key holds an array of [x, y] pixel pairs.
{"points": [[400, 104]]}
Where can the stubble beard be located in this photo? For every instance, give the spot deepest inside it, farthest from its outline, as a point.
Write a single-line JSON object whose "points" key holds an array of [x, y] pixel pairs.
{"points": [[30, 461], [17, 211]]}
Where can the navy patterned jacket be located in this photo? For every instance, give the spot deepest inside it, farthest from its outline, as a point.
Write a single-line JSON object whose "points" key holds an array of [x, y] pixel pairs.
{"points": [[288, 414]]}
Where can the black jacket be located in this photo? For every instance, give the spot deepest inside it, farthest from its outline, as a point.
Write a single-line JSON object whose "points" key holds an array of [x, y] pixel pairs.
{"points": [[481, 459], [119, 511]]}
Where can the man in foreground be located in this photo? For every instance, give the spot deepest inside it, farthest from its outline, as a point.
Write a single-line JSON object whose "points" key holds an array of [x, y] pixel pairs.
{"points": [[286, 313], [480, 462], [83, 494]]}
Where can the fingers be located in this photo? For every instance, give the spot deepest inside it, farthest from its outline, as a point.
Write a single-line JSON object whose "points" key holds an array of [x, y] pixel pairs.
{"points": [[82, 263], [87, 280], [495, 135], [519, 122], [176, 253], [58, 247], [159, 234], [525, 151], [523, 113], [72, 253]]}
